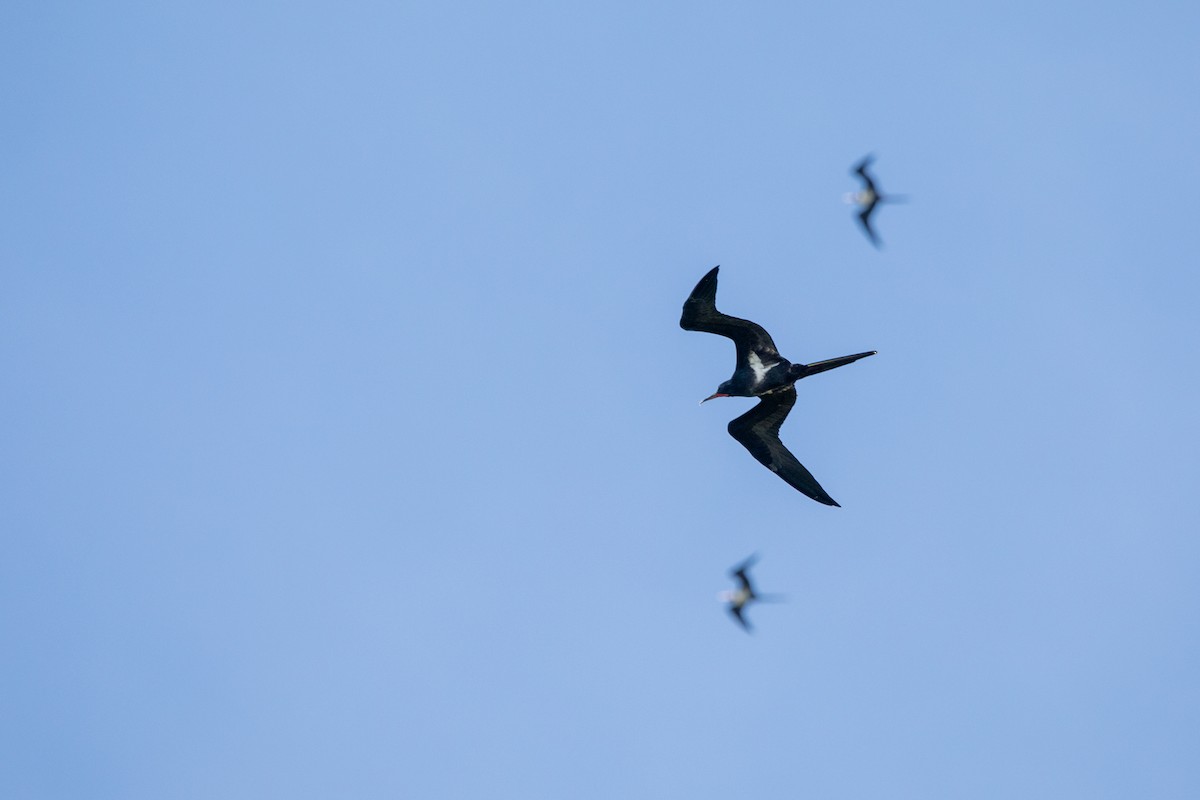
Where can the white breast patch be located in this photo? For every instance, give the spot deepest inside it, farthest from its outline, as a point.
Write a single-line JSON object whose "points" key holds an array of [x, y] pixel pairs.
{"points": [[757, 367]]}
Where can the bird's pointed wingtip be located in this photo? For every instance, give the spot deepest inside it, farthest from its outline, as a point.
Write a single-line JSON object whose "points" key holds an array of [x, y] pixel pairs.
{"points": [[825, 499], [746, 563], [709, 278], [863, 162]]}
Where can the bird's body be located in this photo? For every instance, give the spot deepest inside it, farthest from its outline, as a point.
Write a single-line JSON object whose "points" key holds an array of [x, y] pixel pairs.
{"points": [[868, 198], [759, 372]]}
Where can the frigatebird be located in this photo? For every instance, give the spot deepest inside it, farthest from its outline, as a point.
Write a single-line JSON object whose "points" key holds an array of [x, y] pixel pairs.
{"points": [[868, 198], [760, 372], [744, 595]]}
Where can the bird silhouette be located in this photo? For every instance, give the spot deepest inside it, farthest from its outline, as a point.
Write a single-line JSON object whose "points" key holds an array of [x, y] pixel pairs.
{"points": [[738, 599], [759, 372], [869, 198]]}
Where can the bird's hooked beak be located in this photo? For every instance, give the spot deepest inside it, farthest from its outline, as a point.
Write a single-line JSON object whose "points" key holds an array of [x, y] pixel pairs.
{"points": [[712, 396]]}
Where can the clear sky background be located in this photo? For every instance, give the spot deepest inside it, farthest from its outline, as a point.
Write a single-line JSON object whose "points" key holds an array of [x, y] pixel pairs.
{"points": [[351, 447]]}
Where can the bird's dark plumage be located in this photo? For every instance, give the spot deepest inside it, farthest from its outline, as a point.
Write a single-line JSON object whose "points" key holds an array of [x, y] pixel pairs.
{"points": [[745, 594], [869, 198], [758, 431], [861, 170], [864, 219], [740, 572], [700, 314], [736, 612], [759, 372]]}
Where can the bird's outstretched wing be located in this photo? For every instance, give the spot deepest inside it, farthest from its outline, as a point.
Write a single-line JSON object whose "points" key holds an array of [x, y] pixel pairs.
{"points": [[740, 572], [736, 613], [700, 314], [864, 217], [860, 169], [758, 431], [744, 581]]}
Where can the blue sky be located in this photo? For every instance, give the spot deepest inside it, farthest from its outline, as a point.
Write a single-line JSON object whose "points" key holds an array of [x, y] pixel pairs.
{"points": [[351, 444]]}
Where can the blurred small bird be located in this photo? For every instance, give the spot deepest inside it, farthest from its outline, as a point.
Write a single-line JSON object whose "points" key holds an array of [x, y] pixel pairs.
{"points": [[868, 198], [741, 597]]}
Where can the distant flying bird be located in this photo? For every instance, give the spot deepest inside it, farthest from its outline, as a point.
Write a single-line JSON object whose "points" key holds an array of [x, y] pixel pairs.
{"points": [[744, 595], [868, 198], [760, 372]]}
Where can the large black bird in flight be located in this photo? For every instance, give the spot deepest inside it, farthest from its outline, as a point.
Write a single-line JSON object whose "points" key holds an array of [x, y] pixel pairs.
{"points": [[760, 372]]}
